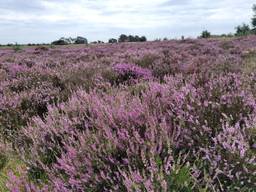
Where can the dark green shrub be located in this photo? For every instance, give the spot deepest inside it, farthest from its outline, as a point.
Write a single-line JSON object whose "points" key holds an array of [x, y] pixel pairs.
{"points": [[243, 30], [205, 34]]}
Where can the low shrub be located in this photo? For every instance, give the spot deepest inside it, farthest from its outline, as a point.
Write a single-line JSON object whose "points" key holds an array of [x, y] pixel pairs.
{"points": [[125, 142], [130, 72]]}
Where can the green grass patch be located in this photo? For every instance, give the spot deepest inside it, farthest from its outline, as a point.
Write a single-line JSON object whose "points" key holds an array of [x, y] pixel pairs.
{"points": [[13, 164]]}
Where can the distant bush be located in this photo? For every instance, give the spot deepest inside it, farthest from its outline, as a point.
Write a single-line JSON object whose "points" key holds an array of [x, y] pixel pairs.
{"points": [[70, 40], [143, 39], [243, 30], [60, 42], [130, 38], [97, 42], [123, 38], [80, 40], [112, 40], [205, 34]]}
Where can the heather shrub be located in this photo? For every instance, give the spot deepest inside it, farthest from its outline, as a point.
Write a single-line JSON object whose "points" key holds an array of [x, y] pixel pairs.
{"points": [[232, 160], [11, 122], [109, 75], [15, 69], [84, 77], [200, 111], [251, 136], [144, 172], [161, 71], [167, 65], [34, 80], [131, 72], [27, 62], [230, 99], [21, 183], [25, 97], [147, 61], [109, 131], [107, 152], [87, 78], [138, 89], [15, 114], [231, 64], [156, 116]]}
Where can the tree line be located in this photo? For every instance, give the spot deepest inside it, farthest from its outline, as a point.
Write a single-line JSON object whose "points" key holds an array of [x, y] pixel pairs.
{"points": [[83, 40]]}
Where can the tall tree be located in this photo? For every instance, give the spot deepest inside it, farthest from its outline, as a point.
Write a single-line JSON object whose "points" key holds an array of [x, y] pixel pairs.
{"points": [[143, 38], [242, 30], [123, 38], [254, 18]]}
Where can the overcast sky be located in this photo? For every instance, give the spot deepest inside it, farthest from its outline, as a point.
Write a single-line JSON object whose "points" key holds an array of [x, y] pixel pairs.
{"points": [[37, 21]]}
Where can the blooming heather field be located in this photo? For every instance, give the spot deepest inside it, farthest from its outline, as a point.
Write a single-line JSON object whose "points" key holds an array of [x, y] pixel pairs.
{"points": [[154, 116]]}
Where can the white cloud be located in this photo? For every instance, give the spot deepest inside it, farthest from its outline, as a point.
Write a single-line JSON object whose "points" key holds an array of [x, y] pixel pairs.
{"points": [[150, 17], [124, 14]]}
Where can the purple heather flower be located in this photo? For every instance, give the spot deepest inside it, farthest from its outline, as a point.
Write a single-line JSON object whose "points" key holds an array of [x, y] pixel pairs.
{"points": [[133, 71]]}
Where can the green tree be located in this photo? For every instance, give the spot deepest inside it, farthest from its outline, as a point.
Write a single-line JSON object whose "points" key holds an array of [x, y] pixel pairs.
{"points": [[80, 40], [254, 19], [243, 30], [131, 38], [112, 40], [205, 34], [123, 38], [143, 39]]}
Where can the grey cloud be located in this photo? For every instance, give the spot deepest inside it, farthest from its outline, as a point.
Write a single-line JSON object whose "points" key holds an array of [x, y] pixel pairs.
{"points": [[22, 5], [45, 20]]}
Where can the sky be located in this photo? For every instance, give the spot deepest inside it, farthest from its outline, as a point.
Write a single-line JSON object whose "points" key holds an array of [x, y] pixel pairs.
{"points": [[42, 21]]}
